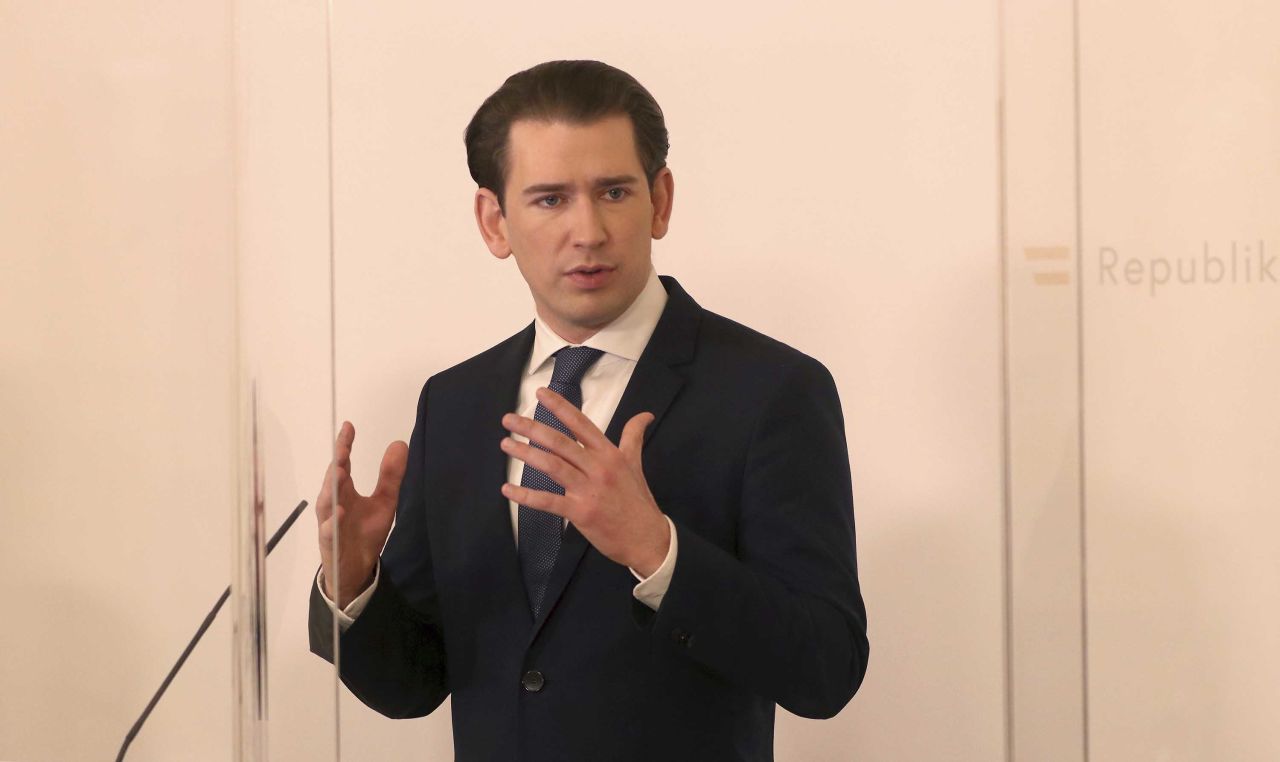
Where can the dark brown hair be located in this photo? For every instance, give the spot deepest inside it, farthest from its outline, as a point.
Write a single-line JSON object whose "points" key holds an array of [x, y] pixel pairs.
{"points": [[578, 92]]}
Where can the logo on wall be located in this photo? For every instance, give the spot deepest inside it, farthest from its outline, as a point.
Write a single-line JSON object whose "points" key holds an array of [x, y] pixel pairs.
{"points": [[1054, 264], [1238, 264]]}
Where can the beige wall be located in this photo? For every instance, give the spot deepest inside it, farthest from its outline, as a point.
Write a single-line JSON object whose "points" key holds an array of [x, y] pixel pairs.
{"points": [[1061, 484], [1180, 150], [116, 307]]}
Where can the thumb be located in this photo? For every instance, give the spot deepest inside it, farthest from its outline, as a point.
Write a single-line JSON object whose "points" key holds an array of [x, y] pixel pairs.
{"points": [[391, 473], [632, 440]]}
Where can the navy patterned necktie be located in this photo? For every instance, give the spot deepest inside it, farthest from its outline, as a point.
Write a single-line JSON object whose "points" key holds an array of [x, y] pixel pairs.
{"points": [[540, 531]]}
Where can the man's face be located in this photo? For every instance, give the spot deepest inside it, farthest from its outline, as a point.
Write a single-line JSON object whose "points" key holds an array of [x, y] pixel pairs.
{"points": [[579, 219]]}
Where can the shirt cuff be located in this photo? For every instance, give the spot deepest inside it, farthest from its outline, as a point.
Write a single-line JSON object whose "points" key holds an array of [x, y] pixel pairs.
{"points": [[652, 588], [346, 617]]}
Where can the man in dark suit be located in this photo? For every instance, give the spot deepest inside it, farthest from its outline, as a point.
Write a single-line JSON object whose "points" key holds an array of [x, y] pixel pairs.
{"points": [[644, 557]]}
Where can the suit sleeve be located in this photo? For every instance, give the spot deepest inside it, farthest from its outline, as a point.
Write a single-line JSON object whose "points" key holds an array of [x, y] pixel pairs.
{"points": [[393, 657], [783, 615]]}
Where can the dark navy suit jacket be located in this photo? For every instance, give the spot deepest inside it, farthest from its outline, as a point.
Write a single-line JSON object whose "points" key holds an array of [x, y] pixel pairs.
{"points": [[748, 458]]}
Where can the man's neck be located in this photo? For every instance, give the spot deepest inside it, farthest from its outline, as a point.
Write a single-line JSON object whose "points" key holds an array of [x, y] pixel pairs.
{"points": [[625, 334], [572, 334]]}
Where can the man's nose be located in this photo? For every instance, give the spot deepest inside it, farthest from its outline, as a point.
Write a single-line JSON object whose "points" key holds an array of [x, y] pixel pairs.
{"points": [[588, 226]]}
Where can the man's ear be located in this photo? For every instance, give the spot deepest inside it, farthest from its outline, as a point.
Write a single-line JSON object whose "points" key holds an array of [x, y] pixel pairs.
{"points": [[492, 223], [662, 196]]}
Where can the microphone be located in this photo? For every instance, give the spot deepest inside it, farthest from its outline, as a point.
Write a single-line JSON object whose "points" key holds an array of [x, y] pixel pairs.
{"points": [[208, 620]]}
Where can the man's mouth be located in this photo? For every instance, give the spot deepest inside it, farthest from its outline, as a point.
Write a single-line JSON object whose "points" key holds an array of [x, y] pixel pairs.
{"points": [[590, 276]]}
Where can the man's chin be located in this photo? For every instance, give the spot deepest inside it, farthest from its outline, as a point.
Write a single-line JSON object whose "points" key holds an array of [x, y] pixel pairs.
{"points": [[589, 311], [584, 323]]}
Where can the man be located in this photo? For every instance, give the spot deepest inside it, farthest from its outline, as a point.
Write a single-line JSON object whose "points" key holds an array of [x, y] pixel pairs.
{"points": [[672, 553]]}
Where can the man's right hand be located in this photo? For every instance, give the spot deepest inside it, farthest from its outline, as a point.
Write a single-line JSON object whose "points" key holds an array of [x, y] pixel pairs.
{"points": [[362, 523]]}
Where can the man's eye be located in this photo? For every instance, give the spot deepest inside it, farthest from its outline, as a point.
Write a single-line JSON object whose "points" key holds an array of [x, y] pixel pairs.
{"points": [[549, 201], [616, 194]]}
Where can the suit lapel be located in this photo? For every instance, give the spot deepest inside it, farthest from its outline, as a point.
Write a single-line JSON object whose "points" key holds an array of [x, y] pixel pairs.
{"points": [[500, 382], [654, 383]]}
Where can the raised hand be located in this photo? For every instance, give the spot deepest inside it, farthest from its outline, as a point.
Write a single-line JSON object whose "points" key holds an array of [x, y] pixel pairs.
{"points": [[362, 523], [606, 495]]}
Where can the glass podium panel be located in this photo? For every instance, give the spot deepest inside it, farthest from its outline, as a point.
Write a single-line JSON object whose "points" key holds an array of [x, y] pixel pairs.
{"points": [[285, 379]]}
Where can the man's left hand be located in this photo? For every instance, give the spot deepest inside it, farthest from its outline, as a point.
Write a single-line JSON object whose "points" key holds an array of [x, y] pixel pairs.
{"points": [[605, 492]]}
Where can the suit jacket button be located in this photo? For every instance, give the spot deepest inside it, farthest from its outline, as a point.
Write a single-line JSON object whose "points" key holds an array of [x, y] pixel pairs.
{"points": [[681, 637], [533, 681]]}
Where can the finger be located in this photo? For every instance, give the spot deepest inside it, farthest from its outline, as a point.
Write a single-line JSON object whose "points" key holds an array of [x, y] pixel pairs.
{"points": [[391, 473], [548, 438], [342, 444], [337, 481], [332, 483], [324, 503], [563, 472], [574, 419], [328, 526], [631, 443], [536, 498], [346, 488]]}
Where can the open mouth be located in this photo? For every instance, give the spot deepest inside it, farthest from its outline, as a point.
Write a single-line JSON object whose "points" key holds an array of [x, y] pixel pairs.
{"points": [[590, 277]]}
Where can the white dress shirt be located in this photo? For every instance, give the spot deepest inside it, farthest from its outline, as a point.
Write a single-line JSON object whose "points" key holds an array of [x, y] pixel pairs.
{"points": [[622, 342]]}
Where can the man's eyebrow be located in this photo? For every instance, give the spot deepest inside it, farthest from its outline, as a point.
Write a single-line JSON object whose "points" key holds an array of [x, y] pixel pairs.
{"points": [[545, 188], [603, 182], [608, 182]]}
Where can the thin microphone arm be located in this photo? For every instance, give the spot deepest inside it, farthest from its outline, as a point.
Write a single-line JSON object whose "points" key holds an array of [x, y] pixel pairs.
{"points": [[208, 620]]}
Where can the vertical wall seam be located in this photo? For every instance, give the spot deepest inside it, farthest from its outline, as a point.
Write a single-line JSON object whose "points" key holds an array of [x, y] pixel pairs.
{"points": [[1006, 496], [1084, 577], [333, 376]]}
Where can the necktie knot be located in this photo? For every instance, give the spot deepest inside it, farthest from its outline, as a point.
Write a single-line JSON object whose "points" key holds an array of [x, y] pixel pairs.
{"points": [[572, 364]]}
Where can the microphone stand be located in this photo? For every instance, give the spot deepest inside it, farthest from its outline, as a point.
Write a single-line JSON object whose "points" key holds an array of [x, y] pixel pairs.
{"points": [[208, 620]]}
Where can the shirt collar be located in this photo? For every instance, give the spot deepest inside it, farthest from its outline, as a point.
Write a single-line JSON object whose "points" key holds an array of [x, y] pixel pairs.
{"points": [[625, 337]]}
